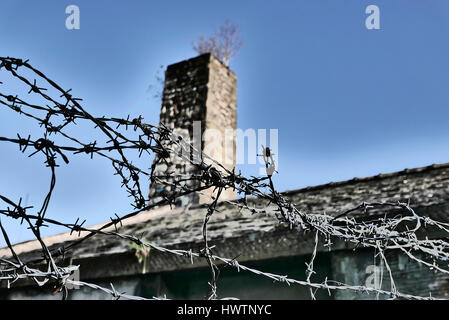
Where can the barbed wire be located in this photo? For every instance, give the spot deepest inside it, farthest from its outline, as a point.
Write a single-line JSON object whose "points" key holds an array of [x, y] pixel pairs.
{"points": [[60, 111]]}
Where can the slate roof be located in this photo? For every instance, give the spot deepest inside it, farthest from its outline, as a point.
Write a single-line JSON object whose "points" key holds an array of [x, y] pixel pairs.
{"points": [[252, 237]]}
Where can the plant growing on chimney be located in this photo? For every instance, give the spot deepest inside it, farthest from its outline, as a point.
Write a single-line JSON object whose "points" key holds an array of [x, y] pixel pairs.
{"points": [[224, 44]]}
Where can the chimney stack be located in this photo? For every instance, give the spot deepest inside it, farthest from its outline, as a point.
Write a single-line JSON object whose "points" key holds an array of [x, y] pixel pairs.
{"points": [[200, 102]]}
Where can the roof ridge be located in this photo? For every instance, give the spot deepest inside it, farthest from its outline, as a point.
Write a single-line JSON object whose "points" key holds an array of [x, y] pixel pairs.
{"points": [[406, 171]]}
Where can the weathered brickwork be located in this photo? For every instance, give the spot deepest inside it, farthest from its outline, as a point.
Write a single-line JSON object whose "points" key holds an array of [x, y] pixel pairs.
{"points": [[201, 90]]}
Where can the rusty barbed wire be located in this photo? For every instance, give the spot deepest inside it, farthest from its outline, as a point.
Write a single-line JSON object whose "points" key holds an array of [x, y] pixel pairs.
{"points": [[60, 111]]}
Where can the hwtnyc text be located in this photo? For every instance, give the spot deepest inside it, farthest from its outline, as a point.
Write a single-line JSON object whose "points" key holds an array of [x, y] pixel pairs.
{"points": [[231, 309]]}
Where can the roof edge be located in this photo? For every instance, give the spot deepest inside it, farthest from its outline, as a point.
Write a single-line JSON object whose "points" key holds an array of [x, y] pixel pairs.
{"points": [[405, 172]]}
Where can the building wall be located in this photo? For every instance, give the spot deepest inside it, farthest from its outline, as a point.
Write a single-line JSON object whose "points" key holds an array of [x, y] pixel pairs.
{"points": [[358, 267], [346, 266], [192, 284]]}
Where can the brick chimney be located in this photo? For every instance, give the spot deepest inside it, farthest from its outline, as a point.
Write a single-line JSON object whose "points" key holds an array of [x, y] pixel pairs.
{"points": [[199, 103]]}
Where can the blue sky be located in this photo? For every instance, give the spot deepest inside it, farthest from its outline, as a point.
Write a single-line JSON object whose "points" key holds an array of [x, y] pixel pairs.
{"points": [[348, 102]]}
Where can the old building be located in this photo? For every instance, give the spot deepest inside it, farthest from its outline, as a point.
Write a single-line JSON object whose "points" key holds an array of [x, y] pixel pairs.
{"points": [[202, 89]]}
